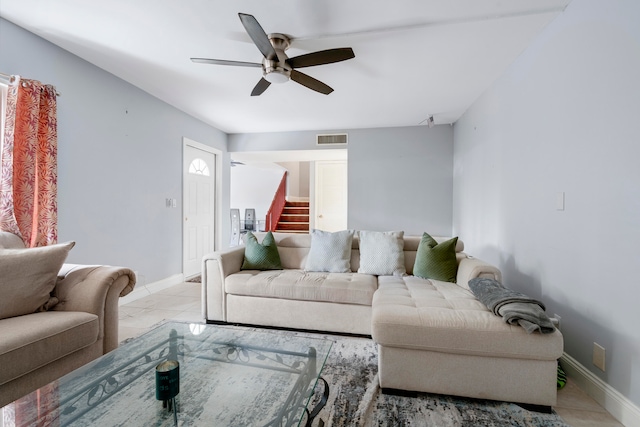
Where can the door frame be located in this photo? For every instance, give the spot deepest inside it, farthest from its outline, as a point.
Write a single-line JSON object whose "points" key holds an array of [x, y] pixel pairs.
{"points": [[217, 185]]}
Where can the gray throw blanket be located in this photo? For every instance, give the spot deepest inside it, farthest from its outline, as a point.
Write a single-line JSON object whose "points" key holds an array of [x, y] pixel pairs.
{"points": [[514, 307]]}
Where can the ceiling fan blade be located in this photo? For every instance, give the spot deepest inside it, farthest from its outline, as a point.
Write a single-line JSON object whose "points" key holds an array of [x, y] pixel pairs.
{"points": [[328, 56], [225, 62], [257, 34], [310, 82], [260, 87]]}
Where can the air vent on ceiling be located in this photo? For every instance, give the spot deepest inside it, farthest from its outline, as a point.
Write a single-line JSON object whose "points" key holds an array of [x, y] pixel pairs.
{"points": [[331, 139]]}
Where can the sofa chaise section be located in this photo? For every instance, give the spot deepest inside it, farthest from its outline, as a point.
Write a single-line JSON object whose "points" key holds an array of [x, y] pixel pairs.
{"points": [[437, 337]]}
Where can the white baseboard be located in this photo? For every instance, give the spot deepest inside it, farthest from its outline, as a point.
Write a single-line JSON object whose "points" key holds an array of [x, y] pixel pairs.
{"points": [[609, 398], [150, 288]]}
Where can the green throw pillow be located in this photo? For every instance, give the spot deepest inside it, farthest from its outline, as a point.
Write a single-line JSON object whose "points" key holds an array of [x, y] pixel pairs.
{"points": [[436, 261], [263, 256]]}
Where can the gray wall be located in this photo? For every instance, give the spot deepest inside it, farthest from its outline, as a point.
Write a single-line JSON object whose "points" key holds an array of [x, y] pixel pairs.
{"points": [[563, 118], [297, 179], [119, 158], [399, 178], [253, 186]]}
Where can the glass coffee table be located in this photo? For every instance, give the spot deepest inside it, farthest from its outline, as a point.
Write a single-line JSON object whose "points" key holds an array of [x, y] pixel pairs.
{"points": [[228, 376]]}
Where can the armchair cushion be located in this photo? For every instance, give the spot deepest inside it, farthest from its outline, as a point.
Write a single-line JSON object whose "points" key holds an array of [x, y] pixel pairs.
{"points": [[35, 340], [10, 241], [28, 277]]}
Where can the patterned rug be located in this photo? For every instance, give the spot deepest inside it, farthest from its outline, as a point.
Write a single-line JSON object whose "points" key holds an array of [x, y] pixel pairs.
{"points": [[355, 398]]}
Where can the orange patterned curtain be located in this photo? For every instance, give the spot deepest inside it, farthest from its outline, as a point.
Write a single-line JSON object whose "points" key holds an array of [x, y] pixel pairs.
{"points": [[28, 184]]}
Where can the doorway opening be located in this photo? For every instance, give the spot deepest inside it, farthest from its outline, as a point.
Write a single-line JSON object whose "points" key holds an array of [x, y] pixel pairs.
{"points": [[253, 170]]}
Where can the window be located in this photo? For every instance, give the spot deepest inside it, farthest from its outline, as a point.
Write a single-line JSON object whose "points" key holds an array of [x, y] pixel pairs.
{"points": [[199, 167]]}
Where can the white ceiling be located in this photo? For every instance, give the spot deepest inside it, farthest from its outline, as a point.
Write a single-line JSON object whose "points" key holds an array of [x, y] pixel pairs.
{"points": [[413, 58]]}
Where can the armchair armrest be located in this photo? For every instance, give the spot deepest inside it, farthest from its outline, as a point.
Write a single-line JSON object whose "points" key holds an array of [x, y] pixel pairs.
{"points": [[215, 269], [95, 289], [470, 268]]}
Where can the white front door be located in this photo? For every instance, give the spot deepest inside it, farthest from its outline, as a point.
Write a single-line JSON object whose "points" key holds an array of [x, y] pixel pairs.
{"points": [[331, 195], [199, 170]]}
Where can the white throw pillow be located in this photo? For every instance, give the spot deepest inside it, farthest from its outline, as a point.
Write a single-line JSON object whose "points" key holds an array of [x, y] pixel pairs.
{"points": [[382, 253], [330, 252], [27, 277]]}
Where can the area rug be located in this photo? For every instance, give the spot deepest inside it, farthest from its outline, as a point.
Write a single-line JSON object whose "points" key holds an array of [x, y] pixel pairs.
{"points": [[355, 398]]}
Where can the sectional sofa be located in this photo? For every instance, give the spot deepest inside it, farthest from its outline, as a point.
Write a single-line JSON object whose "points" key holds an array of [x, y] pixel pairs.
{"points": [[433, 336]]}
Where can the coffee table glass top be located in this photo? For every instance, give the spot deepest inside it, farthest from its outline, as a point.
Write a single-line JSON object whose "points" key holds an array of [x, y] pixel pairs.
{"points": [[228, 376]]}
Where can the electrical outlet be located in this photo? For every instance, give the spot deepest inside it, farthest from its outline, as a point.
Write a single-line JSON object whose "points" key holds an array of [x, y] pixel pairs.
{"points": [[599, 356]]}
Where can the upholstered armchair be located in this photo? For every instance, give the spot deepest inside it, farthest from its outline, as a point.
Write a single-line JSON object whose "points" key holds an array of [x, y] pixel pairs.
{"points": [[75, 319]]}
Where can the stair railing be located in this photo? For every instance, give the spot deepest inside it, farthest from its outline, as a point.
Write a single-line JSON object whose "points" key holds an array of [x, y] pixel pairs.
{"points": [[277, 205]]}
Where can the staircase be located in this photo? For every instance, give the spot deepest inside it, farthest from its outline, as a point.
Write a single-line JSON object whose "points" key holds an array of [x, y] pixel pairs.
{"points": [[294, 218]]}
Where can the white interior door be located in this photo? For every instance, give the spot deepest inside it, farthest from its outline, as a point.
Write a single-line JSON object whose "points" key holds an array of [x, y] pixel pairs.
{"points": [[331, 195], [199, 170]]}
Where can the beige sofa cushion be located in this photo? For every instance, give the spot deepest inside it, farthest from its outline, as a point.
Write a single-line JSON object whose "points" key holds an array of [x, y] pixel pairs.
{"points": [[411, 312], [28, 277], [293, 248], [348, 288], [34, 340]]}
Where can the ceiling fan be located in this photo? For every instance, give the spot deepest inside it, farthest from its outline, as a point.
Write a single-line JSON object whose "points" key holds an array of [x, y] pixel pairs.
{"points": [[276, 66]]}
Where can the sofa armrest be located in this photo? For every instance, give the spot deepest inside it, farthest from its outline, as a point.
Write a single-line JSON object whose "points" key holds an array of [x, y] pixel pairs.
{"points": [[215, 269], [95, 289], [470, 268]]}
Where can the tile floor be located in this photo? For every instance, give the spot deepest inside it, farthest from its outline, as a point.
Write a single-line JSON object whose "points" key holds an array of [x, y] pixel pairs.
{"points": [[182, 303]]}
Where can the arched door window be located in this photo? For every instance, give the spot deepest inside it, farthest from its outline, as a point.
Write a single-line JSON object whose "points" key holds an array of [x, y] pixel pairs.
{"points": [[199, 167]]}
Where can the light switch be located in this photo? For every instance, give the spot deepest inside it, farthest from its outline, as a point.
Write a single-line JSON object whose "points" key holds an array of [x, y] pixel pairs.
{"points": [[560, 201], [173, 203]]}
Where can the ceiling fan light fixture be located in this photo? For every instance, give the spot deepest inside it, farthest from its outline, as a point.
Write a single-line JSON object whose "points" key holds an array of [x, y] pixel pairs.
{"points": [[276, 76]]}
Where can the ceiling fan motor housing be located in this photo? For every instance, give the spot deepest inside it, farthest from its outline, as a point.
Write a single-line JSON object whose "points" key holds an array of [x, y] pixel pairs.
{"points": [[276, 70]]}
